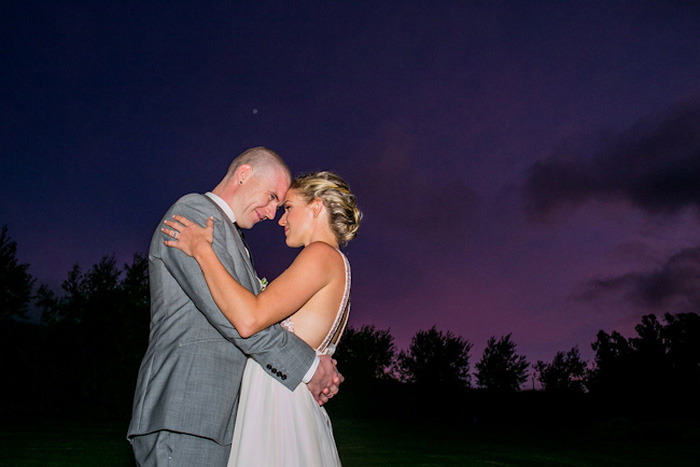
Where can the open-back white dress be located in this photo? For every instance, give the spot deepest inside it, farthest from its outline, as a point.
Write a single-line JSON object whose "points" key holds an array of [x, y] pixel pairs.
{"points": [[277, 427]]}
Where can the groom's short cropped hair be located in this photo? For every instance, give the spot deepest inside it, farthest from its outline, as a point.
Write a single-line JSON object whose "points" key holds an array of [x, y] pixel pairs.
{"points": [[261, 159]]}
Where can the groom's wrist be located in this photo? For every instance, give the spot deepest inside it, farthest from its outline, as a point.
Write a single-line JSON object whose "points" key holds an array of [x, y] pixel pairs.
{"points": [[312, 370]]}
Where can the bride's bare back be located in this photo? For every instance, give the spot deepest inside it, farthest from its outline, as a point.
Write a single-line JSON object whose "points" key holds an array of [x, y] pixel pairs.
{"points": [[313, 321]]}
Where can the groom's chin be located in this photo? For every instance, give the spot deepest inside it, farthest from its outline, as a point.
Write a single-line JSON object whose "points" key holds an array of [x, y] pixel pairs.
{"points": [[247, 223]]}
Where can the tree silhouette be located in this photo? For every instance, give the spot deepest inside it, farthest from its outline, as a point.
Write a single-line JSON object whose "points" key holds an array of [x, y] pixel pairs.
{"points": [[650, 355], [366, 353], [436, 358], [99, 328], [682, 337], [662, 360], [15, 282], [500, 368], [84, 294], [613, 362], [566, 373]]}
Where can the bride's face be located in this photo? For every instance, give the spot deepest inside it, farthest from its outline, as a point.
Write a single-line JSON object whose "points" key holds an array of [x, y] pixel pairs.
{"points": [[297, 220]]}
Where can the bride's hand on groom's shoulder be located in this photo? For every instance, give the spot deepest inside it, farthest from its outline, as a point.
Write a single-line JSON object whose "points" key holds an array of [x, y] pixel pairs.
{"points": [[326, 381], [188, 236]]}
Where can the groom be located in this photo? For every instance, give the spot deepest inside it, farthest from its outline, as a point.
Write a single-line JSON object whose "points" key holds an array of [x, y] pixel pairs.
{"points": [[188, 384]]}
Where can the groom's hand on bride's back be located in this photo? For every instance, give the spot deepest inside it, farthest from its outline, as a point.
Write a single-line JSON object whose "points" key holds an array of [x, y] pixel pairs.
{"points": [[325, 382]]}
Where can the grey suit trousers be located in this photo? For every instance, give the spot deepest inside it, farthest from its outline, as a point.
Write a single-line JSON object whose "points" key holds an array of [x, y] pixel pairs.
{"points": [[169, 449]]}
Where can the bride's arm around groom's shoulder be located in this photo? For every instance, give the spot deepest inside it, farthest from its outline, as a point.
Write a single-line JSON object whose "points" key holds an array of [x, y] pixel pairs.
{"points": [[290, 355]]}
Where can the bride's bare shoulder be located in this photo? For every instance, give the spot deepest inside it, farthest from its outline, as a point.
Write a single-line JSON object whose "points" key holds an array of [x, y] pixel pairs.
{"points": [[321, 254]]}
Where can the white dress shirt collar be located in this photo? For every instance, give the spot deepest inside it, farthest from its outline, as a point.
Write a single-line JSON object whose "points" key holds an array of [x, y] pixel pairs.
{"points": [[222, 204]]}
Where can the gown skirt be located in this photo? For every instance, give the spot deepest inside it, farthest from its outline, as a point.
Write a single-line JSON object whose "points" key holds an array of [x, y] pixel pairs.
{"points": [[277, 427]]}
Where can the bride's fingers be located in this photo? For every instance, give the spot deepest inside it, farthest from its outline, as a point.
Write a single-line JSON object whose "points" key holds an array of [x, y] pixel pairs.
{"points": [[210, 222], [182, 220], [173, 225], [171, 233]]}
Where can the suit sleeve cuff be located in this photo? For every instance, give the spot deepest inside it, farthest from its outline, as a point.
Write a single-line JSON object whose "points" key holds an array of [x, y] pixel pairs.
{"points": [[312, 369]]}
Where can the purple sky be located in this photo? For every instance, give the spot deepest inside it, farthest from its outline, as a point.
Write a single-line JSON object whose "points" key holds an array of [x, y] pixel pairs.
{"points": [[527, 167]]}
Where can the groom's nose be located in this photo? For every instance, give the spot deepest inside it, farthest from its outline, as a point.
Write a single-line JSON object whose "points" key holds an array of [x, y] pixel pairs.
{"points": [[270, 211]]}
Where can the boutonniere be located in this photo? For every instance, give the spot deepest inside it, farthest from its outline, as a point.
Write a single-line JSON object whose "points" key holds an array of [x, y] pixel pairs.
{"points": [[263, 283]]}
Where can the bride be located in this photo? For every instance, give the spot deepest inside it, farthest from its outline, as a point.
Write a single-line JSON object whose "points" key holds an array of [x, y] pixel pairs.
{"points": [[275, 426]]}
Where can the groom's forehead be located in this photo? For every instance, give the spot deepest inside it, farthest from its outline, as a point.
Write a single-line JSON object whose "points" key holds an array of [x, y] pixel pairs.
{"points": [[280, 182]]}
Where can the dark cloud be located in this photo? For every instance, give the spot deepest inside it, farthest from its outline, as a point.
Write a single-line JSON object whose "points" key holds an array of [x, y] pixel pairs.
{"points": [[654, 166], [673, 287]]}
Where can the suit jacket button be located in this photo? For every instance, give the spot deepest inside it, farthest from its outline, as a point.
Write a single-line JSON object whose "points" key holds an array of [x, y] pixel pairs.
{"points": [[284, 377], [269, 366]]}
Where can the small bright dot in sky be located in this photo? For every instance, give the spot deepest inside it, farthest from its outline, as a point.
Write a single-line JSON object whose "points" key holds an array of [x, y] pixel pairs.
{"points": [[255, 111]]}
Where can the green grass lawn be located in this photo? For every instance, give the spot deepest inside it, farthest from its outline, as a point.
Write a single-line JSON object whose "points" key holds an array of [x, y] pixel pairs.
{"points": [[377, 444], [369, 443], [70, 444]]}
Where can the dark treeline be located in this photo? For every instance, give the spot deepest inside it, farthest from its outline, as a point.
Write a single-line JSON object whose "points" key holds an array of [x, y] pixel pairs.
{"points": [[652, 377], [83, 359]]}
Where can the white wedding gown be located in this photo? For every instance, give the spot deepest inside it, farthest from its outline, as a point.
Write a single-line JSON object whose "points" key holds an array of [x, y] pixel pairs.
{"points": [[276, 427]]}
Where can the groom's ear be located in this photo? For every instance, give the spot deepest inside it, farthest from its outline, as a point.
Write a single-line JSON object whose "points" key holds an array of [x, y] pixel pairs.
{"points": [[242, 173]]}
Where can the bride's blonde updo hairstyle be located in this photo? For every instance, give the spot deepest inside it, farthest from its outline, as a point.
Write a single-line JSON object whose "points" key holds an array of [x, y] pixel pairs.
{"points": [[343, 214]]}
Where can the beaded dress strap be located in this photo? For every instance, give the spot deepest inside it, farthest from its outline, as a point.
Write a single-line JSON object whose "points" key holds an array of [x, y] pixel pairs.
{"points": [[341, 318]]}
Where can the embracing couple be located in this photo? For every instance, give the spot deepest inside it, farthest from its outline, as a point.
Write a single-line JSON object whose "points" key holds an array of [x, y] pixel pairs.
{"points": [[217, 333]]}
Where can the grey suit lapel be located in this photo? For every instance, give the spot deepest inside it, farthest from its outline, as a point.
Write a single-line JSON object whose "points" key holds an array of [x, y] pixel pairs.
{"points": [[240, 246]]}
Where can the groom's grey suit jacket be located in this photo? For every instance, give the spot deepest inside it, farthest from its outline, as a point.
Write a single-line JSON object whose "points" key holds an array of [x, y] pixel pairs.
{"points": [[190, 376]]}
